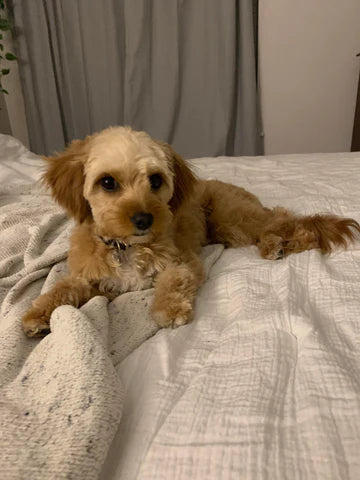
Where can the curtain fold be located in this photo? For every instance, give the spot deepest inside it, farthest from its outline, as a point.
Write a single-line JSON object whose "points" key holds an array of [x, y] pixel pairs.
{"points": [[182, 70]]}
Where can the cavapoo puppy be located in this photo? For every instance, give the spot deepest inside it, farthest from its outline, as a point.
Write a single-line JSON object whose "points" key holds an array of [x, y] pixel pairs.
{"points": [[142, 218]]}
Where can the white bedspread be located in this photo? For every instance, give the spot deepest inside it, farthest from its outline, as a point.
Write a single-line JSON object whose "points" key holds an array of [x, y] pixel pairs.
{"points": [[265, 383]]}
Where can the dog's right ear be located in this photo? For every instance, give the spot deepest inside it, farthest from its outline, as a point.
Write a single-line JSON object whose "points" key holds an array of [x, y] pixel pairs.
{"points": [[65, 177]]}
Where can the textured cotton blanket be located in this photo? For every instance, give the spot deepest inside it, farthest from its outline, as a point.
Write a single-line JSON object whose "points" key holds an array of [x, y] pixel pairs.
{"points": [[60, 398]]}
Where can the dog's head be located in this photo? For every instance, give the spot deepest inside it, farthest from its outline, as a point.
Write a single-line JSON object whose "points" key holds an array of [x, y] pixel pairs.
{"points": [[127, 183]]}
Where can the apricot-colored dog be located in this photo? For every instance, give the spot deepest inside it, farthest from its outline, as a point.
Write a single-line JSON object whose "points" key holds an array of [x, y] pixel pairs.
{"points": [[142, 218]]}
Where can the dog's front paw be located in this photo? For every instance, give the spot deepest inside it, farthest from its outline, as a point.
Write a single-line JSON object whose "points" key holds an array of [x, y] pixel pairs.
{"points": [[36, 323], [172, 312]]}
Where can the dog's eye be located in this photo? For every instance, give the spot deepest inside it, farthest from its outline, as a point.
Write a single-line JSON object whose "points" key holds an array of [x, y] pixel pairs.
{"points": [[109, 184], [155, 181]]}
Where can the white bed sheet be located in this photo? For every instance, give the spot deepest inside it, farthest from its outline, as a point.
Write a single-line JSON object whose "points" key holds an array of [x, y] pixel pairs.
{"points": [[18, 165], [265, 383]]}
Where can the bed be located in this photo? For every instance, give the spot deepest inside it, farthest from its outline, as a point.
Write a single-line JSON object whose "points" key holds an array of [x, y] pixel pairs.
{"points": [[263, 384]]}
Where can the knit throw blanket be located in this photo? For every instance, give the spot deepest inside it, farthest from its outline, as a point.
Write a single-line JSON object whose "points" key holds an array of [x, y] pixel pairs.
{"points": [[60, 397]]}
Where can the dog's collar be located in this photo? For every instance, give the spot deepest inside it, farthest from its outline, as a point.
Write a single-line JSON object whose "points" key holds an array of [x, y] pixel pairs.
{"points": [[117, 244]]}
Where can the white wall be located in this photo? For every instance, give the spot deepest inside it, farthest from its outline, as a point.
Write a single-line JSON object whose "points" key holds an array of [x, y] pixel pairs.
{"points": [[308, 73]]}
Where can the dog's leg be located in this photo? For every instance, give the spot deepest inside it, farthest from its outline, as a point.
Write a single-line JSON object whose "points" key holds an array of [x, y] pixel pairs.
{"points": [[285, 233], [175, 291], [237, 218], [234, 217], [69, 291]]}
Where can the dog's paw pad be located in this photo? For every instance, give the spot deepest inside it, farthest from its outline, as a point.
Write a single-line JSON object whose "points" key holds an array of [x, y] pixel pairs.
{"points": [[161, 319], [280, 254], [36, 330], [273, 254], [179, 321], [272, 247], [35, 323], [164, 320]]}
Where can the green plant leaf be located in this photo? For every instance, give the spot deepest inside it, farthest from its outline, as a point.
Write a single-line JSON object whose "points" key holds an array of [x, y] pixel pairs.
{"points": [[1, 47], [4, 24], [5, 71], [10, 56], [4, 91], [1, 36]]}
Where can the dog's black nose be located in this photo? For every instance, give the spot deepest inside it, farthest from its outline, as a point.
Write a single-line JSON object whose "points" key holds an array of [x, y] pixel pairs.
{"points": [[142, 220]]}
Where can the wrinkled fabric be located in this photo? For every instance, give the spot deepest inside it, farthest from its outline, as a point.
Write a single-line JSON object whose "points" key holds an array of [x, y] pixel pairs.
{"points": [[265, 383]]}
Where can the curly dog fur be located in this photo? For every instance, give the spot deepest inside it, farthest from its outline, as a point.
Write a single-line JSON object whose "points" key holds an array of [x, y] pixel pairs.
{"points": [[142, 218]]}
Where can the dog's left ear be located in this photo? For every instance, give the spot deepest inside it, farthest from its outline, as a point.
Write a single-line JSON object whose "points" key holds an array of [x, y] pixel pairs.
{"points": [[184, 179]]}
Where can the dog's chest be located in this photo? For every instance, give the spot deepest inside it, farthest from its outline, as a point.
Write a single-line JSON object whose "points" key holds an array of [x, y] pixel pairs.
{"points": [[133, 270]]}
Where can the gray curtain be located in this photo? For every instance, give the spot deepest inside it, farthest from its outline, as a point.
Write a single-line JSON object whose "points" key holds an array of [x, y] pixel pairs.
{"points": [[182, 70]]}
